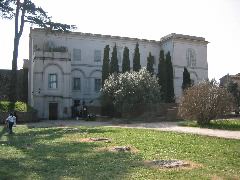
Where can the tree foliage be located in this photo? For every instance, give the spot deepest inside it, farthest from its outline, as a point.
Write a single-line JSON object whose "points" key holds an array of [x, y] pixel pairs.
{"points": [[26, 11], [136, 59], [169, 80], [128, 90], [114, 61], [6, 11], [186, 79], [162, 74], [204, 102], [150, 62], [29, 12], [126, 61], [105, 66], [234, 90]]}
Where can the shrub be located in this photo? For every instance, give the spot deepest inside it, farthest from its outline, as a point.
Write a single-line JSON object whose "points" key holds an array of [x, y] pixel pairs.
{"points": [[128, 90], [6, 106], [204, 102]]}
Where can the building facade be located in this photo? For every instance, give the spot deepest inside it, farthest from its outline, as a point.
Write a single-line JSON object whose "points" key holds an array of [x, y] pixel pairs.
{"points": [[225, 80], [65, 68]]}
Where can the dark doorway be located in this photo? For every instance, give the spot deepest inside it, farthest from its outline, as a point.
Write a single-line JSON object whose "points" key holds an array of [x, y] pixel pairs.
{"points": [[53, 111], [76, 102]]}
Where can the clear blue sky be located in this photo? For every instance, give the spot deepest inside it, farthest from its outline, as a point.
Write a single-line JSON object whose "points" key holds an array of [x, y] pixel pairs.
{"points": [[216, 20]]}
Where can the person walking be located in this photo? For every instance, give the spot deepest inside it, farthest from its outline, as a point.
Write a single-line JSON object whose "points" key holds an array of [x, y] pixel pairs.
{"points": [[10, 121]]}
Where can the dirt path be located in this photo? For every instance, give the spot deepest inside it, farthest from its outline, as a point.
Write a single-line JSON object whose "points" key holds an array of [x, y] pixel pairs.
{"points": [[161, 126]]}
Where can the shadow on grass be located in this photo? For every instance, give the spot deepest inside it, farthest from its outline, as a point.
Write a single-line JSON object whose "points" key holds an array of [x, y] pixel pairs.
{"points": [[44, 155], [64, 130], [224, 124], [3, 130], [233, 125]]}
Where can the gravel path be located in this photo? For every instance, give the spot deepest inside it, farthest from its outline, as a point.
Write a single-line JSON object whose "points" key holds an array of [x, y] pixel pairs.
{"points": [[161, 126]]}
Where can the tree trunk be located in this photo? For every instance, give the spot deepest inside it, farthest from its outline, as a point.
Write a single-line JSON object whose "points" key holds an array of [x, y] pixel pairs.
{"points": [[18, 34], [13, 82], [13, 86], [203, 121]]}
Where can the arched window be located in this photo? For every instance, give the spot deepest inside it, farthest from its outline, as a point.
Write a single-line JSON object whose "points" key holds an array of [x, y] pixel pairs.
{"points": [[191, 58]]}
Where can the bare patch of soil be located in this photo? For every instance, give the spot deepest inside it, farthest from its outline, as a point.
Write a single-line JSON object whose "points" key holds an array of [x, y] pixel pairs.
{"points": [[171, 164], [216, 178], [28, 146], [119, 149], [107, 140]]}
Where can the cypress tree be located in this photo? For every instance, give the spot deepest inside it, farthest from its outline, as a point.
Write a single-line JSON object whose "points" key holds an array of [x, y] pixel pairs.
{"points": [[150, 61], [169, 79], [162, 75], [136, 59], [186, 79], [126, 61], [105, 66], [114, 61]]}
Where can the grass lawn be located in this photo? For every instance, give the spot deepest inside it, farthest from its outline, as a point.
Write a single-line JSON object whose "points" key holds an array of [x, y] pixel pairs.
{"points": [[58, 153], [225, 124]]}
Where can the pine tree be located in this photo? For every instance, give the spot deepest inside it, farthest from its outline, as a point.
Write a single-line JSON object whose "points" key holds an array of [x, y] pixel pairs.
{"points": [[186, 79], [169, 79], [25, 11], [105, 66], [114, 61], [150, 62], [136, 59], [162, 75], [126, 61]]}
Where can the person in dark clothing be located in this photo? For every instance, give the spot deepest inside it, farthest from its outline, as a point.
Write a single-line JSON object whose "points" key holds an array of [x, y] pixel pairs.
{"points": [[10, 121]]}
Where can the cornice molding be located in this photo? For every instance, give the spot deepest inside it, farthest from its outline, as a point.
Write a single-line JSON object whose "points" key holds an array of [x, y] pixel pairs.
{"points": [[202, 68], [92, 36], [174, 36]]}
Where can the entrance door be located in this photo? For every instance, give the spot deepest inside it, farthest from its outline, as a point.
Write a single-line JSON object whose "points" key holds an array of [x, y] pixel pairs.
{"points": [[53, 111]]}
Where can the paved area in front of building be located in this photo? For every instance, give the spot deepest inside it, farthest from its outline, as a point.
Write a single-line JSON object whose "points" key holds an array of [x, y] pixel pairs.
{"points": [[161, 126]]}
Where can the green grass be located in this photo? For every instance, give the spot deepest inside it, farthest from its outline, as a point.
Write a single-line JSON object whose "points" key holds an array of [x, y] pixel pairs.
{"points": [[54, 153], [6, 106], [224, 124]]}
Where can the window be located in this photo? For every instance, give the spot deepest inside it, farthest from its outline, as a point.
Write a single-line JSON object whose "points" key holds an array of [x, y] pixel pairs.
{"points": [[77, 54], [97, 55], [77, 102], [191, 57], [52, 81], [97, 85], [76, 83], [192, 82]]}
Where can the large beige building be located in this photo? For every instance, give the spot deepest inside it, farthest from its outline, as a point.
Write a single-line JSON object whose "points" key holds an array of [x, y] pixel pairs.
{"points": [[65, 68], [225, 80]]}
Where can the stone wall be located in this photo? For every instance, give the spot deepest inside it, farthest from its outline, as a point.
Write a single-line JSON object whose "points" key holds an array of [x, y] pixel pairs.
{"points": [[94, 110], [22, 84], [154, 112], [22, 117], [5, 76]]}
